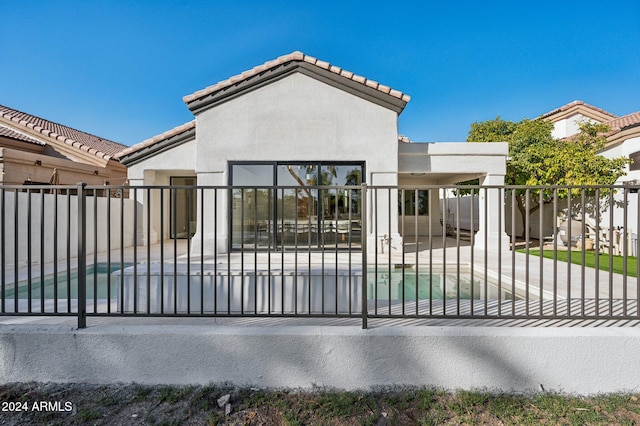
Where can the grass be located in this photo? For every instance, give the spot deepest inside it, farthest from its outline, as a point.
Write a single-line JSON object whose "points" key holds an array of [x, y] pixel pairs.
{"points": [[590, 260], [174, 405]]}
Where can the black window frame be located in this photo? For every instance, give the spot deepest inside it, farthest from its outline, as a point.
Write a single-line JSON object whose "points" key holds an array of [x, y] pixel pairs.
{"points": [[635, 165], [274, 187]]}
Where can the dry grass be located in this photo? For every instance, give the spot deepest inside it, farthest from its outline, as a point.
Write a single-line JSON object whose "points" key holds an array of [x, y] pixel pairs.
{"points": [[197, 405]]}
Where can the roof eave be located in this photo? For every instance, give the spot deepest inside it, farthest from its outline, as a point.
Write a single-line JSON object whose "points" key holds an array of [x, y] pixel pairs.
{"points": [[162, 145], [242, 86]]}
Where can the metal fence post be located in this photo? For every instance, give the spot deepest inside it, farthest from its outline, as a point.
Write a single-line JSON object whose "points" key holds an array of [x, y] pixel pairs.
{"points": [[363, 238], [82, 259]]}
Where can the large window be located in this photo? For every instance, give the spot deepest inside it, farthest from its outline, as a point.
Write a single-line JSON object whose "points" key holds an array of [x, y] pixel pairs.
{"points": [[284, 204]]}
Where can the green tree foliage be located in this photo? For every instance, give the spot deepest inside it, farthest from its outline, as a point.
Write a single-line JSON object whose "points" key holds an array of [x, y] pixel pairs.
{"points": [[538, 159]]}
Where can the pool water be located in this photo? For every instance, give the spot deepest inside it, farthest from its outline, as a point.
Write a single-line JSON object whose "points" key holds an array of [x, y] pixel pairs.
{"points": [[394, 284], [68, 283], [399, 286]]}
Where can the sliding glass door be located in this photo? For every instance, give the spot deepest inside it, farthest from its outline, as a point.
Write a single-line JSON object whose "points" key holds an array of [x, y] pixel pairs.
{"points": [[279, 205]]}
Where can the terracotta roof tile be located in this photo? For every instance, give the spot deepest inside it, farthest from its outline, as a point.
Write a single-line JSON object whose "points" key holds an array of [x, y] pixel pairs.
{"points": [[95, 145], [9, 133], [624, 122], [359, 79], [576, 103], [384, 89], [295, 56], [346, 73], [159, 138]]}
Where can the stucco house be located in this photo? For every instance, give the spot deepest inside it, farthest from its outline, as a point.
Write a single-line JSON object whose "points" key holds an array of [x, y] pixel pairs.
{"points": [[38, 151], [623, 140], [297, 120]]}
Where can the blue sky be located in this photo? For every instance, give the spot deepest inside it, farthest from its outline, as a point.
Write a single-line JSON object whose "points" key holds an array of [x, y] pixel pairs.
{"points": [[119, 69]]}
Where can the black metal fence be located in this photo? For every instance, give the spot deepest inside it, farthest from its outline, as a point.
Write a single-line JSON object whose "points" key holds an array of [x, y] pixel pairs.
{"points": [[320, 251]]}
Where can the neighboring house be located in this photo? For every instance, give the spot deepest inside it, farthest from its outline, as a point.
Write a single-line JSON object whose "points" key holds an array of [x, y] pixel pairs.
{"points": [[37, 151], [622, 141], [292, 121]]}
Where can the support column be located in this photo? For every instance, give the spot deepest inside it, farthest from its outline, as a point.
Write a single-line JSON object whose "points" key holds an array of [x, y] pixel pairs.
{"points": [[383, 212], [145, 201], [491, 233], [213, 227], [137, 195]]}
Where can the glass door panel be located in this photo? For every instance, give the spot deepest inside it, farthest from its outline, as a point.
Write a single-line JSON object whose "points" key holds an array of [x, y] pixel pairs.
{"points": [[252, 224], [297, 208], [252, 207], [183, 210], [341, 219]]}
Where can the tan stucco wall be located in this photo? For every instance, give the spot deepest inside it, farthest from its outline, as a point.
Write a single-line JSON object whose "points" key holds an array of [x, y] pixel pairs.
{"points": [[19, 167]]}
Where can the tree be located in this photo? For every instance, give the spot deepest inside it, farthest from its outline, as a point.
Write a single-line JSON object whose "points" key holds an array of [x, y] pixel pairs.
{"points": [[538, 159]]}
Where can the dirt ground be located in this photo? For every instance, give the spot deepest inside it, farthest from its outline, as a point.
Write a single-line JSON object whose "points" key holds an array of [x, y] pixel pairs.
{"points": [[83, 404]]}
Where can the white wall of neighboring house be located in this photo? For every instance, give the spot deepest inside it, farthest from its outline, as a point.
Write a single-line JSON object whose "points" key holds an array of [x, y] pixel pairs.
{"points": [[568, 126], [625, 149], [67, 224]]}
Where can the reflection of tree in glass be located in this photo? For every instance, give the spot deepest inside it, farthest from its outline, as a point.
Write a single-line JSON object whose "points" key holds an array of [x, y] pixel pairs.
{"points": [[304, 198], [354, 177], [340, 201]]}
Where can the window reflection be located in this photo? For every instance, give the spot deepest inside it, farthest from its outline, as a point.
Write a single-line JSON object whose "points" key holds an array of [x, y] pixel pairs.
{"points": [[413, 203], [293, 211]]}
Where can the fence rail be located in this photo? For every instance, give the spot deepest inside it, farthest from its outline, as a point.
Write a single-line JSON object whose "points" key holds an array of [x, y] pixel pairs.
{"points": [[478, 252]]}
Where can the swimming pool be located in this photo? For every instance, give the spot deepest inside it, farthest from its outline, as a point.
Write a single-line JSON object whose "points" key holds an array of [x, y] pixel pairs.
{"points": [[384, 284], [66, 284], [407, 285]]}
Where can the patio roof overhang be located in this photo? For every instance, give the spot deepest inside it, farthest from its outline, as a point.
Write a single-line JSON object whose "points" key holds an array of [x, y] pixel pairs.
{"points": [[451, 162]]}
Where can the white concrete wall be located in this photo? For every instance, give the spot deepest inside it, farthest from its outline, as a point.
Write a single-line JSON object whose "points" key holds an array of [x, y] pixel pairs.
{"points": [[573, 360], [463, 208], [67, 222], [568, 126], [296, 118], [177, 160], [625, 149], [453, 162], [549, 219]]}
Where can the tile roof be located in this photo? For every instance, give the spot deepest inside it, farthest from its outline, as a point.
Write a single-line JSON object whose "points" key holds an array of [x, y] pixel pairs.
{"points": [[157, 139], [9, 133], [573, 104], [301, 57], [100, 147], [624, 122]]}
